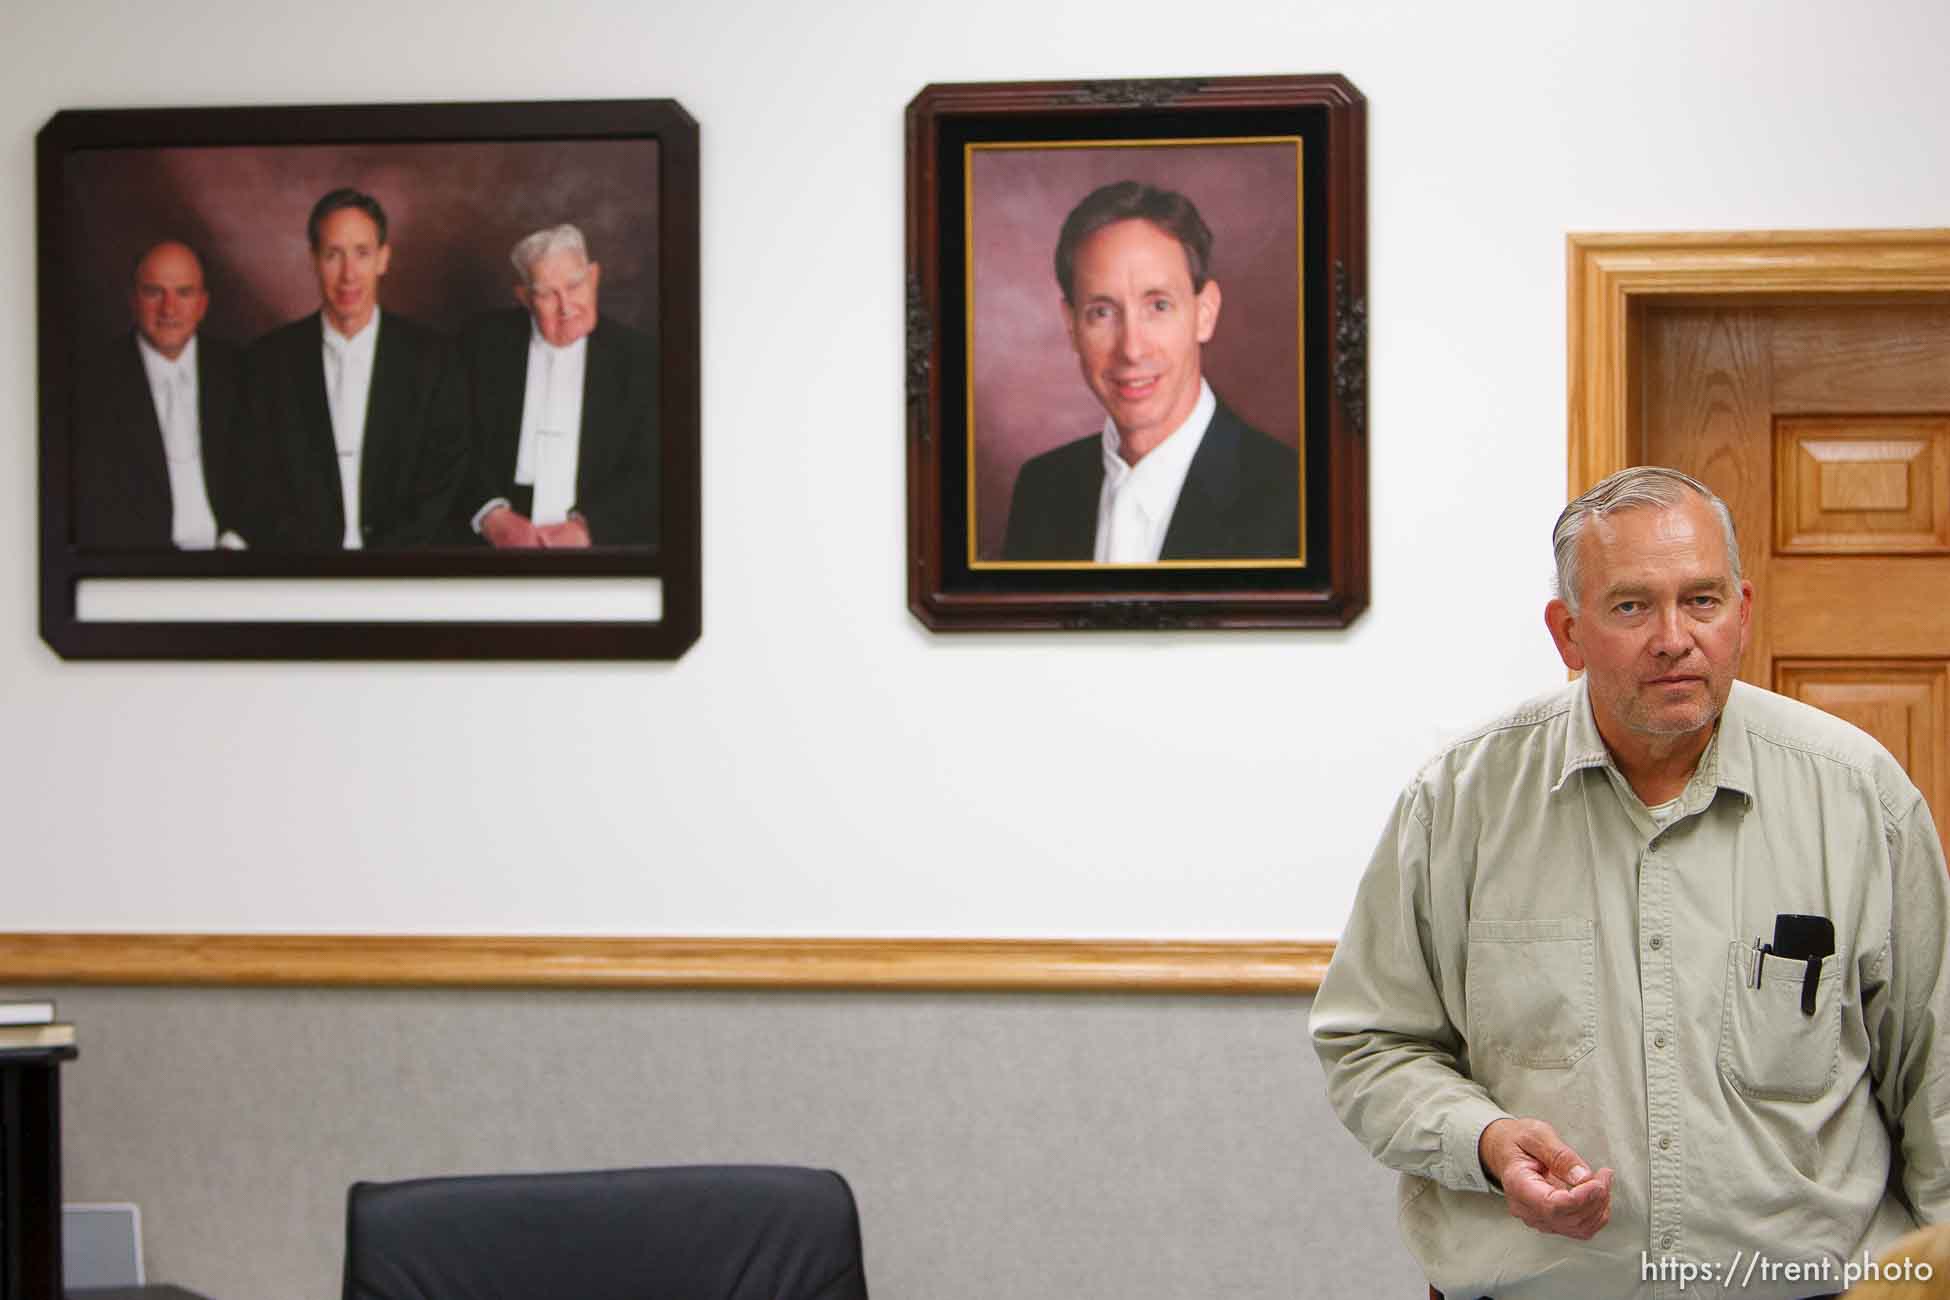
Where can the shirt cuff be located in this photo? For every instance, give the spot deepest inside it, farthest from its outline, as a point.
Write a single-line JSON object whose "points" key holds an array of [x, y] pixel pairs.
{"points": [[488, 509], [1462, 1162]]}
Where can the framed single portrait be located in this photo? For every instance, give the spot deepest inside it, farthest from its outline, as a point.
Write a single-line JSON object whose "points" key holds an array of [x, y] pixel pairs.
{"points": [[1136, 354], [370, 382]]}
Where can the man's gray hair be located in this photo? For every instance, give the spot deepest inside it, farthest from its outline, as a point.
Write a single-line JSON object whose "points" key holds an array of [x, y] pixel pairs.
{"points": [[533, 248], [1640, 487]]}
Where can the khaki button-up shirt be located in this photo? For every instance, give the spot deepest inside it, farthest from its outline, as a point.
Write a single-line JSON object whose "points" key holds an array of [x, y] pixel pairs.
{"points": [[1528, 942]]}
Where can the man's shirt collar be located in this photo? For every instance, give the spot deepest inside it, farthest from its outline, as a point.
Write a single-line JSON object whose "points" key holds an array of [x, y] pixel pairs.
{"points": [[536, 342], [1726, 763], [1731, 751], [368, 333], [158, 366], [1159, 477], [1583, 746]]}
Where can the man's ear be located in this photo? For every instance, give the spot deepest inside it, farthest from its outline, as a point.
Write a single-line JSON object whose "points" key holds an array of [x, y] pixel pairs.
{"points": [[521, 296], [1563, 625], [383, 260], [595, 276], [1208, 310], [1069, 321]]}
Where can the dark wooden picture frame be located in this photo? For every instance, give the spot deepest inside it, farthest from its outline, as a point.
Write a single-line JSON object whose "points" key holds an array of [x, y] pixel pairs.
{"points": [[468, 179], [983, 313]]}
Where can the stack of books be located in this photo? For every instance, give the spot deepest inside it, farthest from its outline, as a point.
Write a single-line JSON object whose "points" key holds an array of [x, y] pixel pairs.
{"points": [[28, 1026]]}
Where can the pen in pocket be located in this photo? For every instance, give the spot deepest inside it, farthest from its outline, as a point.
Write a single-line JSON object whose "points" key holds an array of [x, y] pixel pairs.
{"points": [[1804, 938]]}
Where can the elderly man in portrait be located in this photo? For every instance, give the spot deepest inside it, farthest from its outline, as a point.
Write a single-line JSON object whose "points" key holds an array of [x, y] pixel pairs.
{"points": [[1174, 474], [1557, 1008], [157, 443], [361, 412], [563, 409]]}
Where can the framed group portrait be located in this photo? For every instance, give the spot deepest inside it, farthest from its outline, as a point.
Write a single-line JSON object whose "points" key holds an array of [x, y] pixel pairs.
{"points": [[373, 381], [1137, 354]]}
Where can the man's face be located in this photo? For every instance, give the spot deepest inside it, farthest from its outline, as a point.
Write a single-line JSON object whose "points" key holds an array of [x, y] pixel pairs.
{"points": [[349, 259], [168, 300], [1137, 325], [1660, 623], [561, 296]]}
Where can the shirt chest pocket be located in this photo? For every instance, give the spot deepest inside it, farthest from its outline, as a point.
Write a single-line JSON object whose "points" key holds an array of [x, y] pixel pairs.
{"points": [[1532, 991], [1770, 1049]]}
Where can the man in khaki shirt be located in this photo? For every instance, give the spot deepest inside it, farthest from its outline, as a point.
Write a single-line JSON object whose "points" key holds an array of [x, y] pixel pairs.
{"points": [[1550, 1010]]}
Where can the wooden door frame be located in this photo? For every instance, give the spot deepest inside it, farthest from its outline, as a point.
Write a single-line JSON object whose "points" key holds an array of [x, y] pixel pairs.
{"points": [[1610, 277]]}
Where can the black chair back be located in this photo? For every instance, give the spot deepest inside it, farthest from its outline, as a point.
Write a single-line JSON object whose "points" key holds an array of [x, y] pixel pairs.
{"points": [[705, 1232]]}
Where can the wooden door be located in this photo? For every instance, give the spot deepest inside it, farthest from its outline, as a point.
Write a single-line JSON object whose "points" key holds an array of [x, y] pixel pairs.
{"points": [[1826, 428]]}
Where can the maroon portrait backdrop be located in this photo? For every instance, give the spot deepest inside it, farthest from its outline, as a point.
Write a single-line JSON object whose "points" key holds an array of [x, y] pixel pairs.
{"points": [[1025, 389], [453, 212]]}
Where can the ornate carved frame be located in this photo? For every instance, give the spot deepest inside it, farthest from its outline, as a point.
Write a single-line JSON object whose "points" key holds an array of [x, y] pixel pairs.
{"points": [[1331, 589]]}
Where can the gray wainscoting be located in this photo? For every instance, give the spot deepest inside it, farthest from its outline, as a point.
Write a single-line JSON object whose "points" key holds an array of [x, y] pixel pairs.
{"points": [[1021, 1146]]}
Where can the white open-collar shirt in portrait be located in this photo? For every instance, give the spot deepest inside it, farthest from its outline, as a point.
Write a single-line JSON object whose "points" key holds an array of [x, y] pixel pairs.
{"points": [[172, 386], [1135, 506], [551, 426], [348, 387]]}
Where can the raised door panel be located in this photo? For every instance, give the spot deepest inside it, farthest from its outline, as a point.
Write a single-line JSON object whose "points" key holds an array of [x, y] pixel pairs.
{"points": [[1862, 484], [1904, 705]]}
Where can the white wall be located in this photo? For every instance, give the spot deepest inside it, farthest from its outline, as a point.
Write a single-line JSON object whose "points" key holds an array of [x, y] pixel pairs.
{"points": [[818, 763]]}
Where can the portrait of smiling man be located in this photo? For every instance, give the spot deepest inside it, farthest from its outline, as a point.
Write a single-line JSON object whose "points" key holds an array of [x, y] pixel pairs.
{"points": [[1555, 1009], [1173, 474], [360, 411]]}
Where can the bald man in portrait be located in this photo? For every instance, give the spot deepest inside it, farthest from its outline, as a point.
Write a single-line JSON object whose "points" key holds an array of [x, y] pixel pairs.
{"points": [[158, 443]]}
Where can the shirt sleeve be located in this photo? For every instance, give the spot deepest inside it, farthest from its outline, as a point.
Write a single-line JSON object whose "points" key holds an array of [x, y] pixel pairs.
{"points": [[1382, 1028], [1908, 1013]]}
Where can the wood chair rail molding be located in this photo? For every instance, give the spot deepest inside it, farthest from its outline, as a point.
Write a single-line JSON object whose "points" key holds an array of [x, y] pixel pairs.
{"points": [[1610, 276], [1028, 965]]}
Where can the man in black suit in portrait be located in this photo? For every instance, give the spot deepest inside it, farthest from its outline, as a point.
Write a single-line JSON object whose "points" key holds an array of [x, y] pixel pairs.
{"points": [[563, 410], [157, 442], [1173, 474], [360, 412]]}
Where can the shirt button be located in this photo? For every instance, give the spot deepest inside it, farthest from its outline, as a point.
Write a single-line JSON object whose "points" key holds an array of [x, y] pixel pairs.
{"points": [[1665, 1144], [1666, 1242], [1657, 943], [1659, 1040]]}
